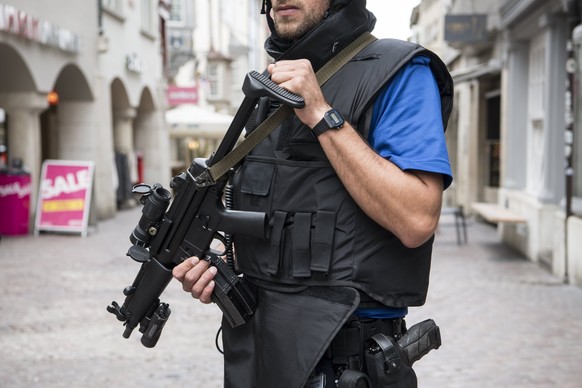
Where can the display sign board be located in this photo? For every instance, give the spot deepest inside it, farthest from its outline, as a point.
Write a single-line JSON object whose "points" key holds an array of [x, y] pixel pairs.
{"points": [[14, 203], [466, 28], [64, 196], [182, 95]]}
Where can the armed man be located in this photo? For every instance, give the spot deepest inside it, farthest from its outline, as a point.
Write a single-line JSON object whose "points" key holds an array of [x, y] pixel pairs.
{"points": [[352, 185]]}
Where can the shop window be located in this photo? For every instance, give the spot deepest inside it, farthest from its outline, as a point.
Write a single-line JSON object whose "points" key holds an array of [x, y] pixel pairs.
{"points": [[493, 150], [176, 11], [493, 153], [214, 80]]}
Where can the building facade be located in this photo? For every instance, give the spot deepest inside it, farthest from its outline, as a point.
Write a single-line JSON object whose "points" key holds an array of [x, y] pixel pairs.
{"points": [[226, 43], [104, 63], [535, 36], [510, 132]]}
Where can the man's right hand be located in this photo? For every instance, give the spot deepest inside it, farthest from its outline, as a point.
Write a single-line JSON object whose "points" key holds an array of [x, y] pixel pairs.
{"points": [[196, 277]]}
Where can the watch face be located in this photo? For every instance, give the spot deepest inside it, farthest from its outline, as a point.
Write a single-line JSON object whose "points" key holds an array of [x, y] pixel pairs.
{"points": [[334, 118]]}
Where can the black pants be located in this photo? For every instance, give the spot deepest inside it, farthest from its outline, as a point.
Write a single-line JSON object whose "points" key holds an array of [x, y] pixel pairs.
{"points": [[347, 352]]}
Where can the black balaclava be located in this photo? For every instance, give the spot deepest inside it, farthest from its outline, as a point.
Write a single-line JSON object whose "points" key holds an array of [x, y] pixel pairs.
{"points": [[344, 22]]}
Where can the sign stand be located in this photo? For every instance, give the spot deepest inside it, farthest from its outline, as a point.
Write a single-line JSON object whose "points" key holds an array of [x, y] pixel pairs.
{"points": [[64, 196]]}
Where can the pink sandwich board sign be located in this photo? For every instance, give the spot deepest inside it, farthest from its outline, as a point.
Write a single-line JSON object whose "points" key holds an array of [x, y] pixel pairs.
{"points": [[64, 196]]}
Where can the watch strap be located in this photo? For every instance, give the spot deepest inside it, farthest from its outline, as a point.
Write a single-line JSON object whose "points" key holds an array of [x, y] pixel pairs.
{"points": [[320, 127]]}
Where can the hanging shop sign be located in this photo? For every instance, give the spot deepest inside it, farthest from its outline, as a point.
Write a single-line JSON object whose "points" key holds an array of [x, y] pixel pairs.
{"points": [[466, 28], [182, 95], [65, 196], [19, 23]]}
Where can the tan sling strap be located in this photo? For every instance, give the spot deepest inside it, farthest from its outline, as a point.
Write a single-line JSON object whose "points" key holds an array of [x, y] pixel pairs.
{"points": [[230, 160]]}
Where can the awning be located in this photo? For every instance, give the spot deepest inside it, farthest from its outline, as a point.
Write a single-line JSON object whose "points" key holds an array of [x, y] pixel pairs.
{"points": [[478, 71], [193, 120]]}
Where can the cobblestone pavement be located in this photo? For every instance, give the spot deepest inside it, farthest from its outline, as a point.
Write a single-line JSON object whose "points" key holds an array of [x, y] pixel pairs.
{"points": [[505, 322]]}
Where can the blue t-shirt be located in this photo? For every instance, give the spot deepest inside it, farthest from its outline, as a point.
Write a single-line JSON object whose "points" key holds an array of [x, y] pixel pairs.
{"points": [[407, 129], [407, 125]]}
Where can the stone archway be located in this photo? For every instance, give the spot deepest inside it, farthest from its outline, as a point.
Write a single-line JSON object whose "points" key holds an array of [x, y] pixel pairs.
{"points": [[69, 126], [21, 105]]}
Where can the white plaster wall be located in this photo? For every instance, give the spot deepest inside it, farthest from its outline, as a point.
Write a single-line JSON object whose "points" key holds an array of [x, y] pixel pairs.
{"points": [[575, 250], [536, 237], [127, 38], [559, 246]]}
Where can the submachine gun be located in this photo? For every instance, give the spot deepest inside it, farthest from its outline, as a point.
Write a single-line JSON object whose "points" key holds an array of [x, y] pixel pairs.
{"points": [[167, 234]]}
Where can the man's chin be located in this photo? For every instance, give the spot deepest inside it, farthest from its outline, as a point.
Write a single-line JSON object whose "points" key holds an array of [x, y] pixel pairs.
{"points": [[286, 31], [289, 33]]}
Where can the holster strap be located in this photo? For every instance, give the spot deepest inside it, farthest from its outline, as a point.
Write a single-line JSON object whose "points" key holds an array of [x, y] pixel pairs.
{"points": [[389, 349], [346, 346]]}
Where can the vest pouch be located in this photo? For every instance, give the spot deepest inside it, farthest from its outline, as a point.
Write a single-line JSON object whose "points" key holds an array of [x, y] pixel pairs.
{"points": [[277, 228], [322, 241], [311, 244], [301, 245], [256, 186]]}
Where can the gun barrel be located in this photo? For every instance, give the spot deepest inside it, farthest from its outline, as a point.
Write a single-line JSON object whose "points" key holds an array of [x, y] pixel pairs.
{"points": [[151, 281]]}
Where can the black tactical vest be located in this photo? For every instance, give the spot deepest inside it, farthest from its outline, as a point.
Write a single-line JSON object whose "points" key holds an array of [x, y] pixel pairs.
{"points": [[318, 234]]}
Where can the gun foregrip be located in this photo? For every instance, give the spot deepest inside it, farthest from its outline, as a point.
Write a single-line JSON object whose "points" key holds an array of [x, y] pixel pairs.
{"points": [[419, 340]]}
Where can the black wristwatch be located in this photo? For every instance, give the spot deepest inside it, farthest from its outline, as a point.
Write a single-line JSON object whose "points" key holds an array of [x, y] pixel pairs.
{"points": [[332, 119]]}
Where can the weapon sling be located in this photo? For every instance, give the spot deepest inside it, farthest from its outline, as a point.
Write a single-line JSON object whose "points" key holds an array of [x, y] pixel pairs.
{"points": [[221, 167]]}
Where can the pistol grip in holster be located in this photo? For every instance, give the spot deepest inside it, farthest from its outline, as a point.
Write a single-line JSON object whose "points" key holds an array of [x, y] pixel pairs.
{"points": [[388, 360]]}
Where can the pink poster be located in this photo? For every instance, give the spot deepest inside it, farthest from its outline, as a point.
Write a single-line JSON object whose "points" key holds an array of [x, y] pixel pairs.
{"points": [[14, 203], [65, 195]]}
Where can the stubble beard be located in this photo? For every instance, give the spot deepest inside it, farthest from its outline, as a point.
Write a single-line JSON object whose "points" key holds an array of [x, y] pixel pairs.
{"points": [[292, 28]]}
